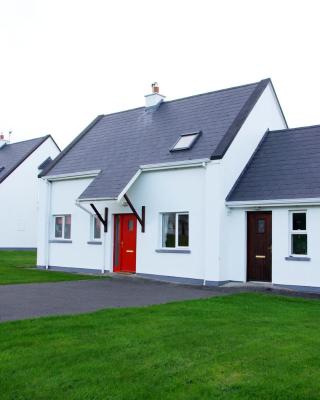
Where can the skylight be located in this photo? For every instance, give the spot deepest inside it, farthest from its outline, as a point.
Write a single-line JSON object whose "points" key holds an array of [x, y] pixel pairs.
{"points": [[186, 141]]}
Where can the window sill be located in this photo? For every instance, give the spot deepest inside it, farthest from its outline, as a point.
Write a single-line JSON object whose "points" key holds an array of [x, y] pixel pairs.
{"points": [[94, 242], [297, 258], [181, 251], [60, 241]]}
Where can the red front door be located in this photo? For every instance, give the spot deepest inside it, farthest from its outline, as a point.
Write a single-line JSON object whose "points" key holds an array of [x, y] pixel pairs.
{"points": [[125, 240]]}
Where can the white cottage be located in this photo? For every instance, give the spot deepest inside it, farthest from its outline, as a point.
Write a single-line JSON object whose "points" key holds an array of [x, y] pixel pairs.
{"points": [[20, 164], [181, 190]]}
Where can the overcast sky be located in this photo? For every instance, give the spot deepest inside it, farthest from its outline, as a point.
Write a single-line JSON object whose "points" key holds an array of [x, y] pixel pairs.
{"points": [[63, 62]]}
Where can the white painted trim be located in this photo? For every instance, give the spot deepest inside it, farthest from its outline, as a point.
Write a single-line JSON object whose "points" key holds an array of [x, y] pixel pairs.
{"points": [[74, 175], [53, 230], [92, 222], [273, 203], [176, 244], [297, 232], [129, 184], [96, 199], [48, 222]]}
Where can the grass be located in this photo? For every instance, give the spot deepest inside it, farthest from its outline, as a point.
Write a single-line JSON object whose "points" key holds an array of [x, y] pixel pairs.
{"points": [[246, 346], [19, 267]]}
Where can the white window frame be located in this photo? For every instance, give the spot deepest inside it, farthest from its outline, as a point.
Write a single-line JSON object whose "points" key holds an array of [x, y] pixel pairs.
{"points": [[92, 238], [63, 216], [297, 232], [177, 213]]}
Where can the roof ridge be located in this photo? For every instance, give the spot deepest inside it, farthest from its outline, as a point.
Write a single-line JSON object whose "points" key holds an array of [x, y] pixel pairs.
{"points": [[187, 97], [296, 129], [215, 91], [28, 140]]}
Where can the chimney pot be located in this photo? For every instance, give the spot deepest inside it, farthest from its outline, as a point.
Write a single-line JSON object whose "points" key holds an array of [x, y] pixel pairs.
{"points": [[155, 87], [3, 141], [155, 98]]}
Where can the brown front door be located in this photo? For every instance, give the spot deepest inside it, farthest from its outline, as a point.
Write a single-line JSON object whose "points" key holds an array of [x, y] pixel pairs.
{"points": [[259, 227]]}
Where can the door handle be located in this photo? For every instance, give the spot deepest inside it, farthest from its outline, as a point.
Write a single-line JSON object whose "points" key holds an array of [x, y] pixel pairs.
{"points": [[260, 256], [129, 251]]}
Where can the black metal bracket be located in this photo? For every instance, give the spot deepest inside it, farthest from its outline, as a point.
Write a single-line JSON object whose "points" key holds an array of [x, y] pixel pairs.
{"points": [[103, 221], [143, 213]]}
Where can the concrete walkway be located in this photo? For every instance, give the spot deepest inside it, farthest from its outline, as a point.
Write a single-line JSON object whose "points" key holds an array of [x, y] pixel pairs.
{"points": [[43, 299]]}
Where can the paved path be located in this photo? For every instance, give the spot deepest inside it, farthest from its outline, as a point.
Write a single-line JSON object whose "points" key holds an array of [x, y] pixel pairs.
{"points": [[41, 299], [76, 297]]}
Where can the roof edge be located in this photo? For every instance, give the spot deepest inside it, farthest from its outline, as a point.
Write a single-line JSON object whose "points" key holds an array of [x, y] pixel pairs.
{"points": [[238, 122], [298, 128], [71, 145], [11, 170], [55, 143], [247, 165], [279, 104]]}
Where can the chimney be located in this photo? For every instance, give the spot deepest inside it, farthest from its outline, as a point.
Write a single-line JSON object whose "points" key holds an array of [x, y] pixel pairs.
{"points": [[3, 141], [155, 98]]}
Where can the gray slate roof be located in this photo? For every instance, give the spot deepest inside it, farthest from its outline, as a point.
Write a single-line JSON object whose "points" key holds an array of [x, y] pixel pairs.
{"points": [[117, 144], [13, 154], [286, 165]]}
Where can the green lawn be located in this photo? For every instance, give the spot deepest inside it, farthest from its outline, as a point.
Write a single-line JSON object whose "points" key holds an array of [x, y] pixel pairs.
{"points": [[246, 346], [19, 267]]}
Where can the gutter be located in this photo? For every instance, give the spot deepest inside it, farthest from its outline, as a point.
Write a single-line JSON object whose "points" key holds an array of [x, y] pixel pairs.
{"points": [[175, 164], [274, 203], [73, 175], [78, 204]]}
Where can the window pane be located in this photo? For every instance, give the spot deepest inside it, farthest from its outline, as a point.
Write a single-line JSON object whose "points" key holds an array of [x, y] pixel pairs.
{"points": [[183, 230], [261, 225], [299, 221], [96, 228], [299, 244], [185, 142], [67, 227], [58, 227], [169, 230], [130, 225]]}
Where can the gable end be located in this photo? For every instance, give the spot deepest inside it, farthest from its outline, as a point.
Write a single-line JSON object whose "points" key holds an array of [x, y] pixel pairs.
{"points": [[239, 121], [27, 155]]}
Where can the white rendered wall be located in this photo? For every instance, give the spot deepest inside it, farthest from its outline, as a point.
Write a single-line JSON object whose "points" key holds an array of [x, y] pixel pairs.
{"points": [[222, 261], [162, 191], [19, 200], [79, 253], [300, 273], [171, 191]]}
